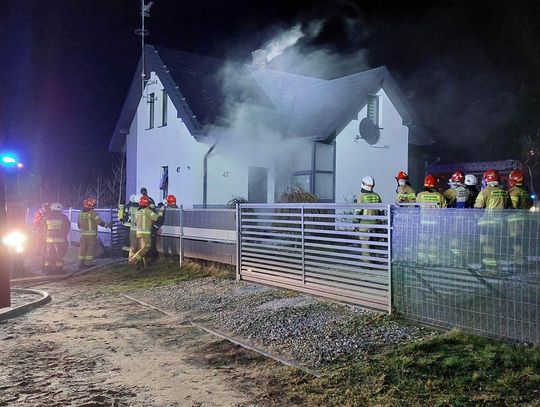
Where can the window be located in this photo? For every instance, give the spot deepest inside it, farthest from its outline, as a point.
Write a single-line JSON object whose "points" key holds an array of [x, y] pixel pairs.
{"points": [[164, 182], [324, 186], [373, 108], [313, 170], [151, 99], [164, 108], [303, 181]]}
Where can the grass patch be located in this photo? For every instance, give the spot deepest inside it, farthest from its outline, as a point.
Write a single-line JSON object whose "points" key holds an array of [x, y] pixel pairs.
{"points": [[121, 278], [448, 369]]}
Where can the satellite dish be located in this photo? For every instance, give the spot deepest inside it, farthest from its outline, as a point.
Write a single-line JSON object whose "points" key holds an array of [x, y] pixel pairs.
{"points": [[369, 131]]}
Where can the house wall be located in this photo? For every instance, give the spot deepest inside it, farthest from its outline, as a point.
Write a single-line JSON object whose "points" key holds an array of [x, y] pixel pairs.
{"points": [[172, 145], [228, 172], [356, 159]]}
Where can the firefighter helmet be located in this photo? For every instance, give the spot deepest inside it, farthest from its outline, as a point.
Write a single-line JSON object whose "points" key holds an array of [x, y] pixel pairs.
{"points": [[171, 200], [430, 181], [491, 177], [368, 183], [89, 203], [471, 180], [133, 198], [457, 177], [515, 178], [402, 175], [56, 206], [144, 201]]}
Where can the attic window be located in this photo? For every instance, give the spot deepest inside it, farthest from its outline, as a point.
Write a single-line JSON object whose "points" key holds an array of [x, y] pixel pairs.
{"points": [[373, 108]]}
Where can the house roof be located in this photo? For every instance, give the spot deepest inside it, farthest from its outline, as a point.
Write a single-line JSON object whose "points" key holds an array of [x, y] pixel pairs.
{"points": [[204, 88]]}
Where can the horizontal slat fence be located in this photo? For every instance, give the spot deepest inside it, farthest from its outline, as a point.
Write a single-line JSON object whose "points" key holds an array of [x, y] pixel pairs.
{"points": [[332, 250]]}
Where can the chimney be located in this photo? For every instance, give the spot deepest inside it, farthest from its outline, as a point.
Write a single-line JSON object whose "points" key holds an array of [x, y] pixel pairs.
{"points": [[259, 59]]}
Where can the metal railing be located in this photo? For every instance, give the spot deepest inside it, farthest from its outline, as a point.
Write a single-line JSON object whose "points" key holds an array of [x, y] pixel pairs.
{"points": [[471, 269], [208, 234], [333, 250]]}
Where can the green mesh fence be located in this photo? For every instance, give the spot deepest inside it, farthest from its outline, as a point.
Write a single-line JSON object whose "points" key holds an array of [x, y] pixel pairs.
{"points": [[471, 269]]}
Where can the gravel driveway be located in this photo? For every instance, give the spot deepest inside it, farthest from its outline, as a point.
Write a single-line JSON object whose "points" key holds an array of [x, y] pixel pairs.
{"points": [[310, 330]]}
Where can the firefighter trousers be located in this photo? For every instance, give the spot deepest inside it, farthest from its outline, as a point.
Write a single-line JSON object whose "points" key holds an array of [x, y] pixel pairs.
{"points": [[87, 249], [490, 234], [144, 247], [516, 231], [54, 256], [133, 243]]}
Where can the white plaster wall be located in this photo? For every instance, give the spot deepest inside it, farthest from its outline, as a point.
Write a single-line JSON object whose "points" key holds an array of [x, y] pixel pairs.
{"points": [[354, 160], [171, 145], [131, 159], [228, 173]]}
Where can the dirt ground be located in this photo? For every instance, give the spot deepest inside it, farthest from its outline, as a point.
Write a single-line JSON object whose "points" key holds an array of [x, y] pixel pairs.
{"points": [[89, 348]]}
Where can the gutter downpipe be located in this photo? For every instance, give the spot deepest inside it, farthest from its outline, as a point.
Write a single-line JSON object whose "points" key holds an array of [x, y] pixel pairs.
{"points": [[205, 174]]}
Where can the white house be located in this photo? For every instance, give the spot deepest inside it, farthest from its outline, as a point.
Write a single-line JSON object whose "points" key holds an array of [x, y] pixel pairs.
{"points": [[207, 130]]}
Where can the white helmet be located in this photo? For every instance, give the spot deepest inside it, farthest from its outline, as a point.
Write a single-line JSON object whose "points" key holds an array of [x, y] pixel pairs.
{"points": [[56, 206], [471, 180], [137, 198], [368, 183], [133, 198]]}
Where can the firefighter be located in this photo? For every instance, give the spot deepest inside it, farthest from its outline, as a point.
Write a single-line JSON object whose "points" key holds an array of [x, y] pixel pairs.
{"points": [[144, 219], [169, 242], [88, 222], [519, 199], [491, 198], [429, 220], [38, 227], [471, 183], [132, 224], [404, 191], [368, 196], [457, 196], [144, 192], [57, 226]]}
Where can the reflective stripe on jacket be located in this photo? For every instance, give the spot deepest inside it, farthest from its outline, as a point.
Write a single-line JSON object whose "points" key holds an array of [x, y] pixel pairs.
{"points": [[368, 198], [458, 197], [57, 226], [144, 219], [405, 194], [492, 197], [88, 222]]}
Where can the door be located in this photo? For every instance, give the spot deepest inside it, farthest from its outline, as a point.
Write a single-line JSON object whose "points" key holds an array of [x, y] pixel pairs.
{"points": [[258, 185]]}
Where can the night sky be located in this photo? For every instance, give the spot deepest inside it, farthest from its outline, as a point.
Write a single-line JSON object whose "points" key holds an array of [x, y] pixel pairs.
{"points": [[471, 71]]}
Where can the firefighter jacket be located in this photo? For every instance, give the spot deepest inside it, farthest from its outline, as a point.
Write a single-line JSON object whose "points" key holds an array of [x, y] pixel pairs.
{"points": [[492, 197], [436, 199], [367, 197], [519, 197], [39, 221], [88, 222], [458, 197], [131, 213], [57, 226], [144, 219], [405, 194]]}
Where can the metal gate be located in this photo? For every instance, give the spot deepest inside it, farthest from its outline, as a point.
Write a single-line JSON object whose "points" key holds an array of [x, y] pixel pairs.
{"points": [[339, 251]]}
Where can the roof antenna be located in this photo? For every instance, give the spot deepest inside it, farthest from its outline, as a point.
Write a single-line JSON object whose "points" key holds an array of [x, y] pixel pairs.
{"points": [[143, 32]]}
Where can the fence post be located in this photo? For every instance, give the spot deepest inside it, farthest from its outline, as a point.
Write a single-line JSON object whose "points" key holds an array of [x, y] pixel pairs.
{"points": [[111, 232], [303, 246], [389, 240], [238, 244], [181, 234], [70, 213]]}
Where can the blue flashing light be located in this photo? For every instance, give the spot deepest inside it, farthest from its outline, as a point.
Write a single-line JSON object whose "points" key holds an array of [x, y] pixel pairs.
{"points": [[8, 160], [533, 196]]}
